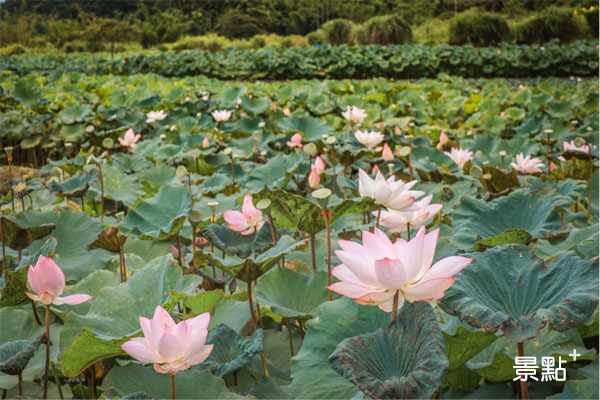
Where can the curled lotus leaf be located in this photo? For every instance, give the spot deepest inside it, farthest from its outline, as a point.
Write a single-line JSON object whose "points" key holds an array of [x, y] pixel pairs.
{"points": [[109, 239], [508, 288], [404, 361], [18, 238], [232, 351], [15, 355]]}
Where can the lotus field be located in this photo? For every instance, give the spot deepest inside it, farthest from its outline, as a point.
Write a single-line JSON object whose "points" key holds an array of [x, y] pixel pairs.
{"points": [[193, 238]]}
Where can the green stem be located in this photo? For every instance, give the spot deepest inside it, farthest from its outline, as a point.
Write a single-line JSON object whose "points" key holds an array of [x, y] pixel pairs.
{"points": [[251, 306], [179, 252], [172, 386], [395, 305], [264, 363], [328, 227], [312, 252], [57, 381], [47, 352], [35, 314], [20, 385], [289, 329], [378, 217]]}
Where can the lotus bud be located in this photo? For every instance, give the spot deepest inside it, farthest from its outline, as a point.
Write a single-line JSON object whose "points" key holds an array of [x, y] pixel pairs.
{"points": [[205, 142]]}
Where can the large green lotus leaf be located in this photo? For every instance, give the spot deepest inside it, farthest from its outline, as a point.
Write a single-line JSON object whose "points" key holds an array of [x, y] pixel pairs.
{"points": [[160, 217], [268, 388], [15, 355], [249, 269], [190, 384], [493, 124], [312, 376], [496, 362], [508, 287], [73, 114], [129, 162], [18, 238], [311, 128], [232, 351], [19, 324], [235, 314], [75, 186], [92, 285], [291, 294], [571, 188], [465, 344], [276, 172], [403, 361], [578, 240], [579, 389], [113, 314], [74, 231], [499, 180], [533, 212], [118, 186], [255, 105], [227, 240], [198, 303]]}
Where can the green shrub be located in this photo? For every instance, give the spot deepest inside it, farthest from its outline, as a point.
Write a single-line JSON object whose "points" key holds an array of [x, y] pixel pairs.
{"points": [[316, 37], [360, 34], [388, 29], [13, 50], [286, 41], [478, 28], [258, 42], [236, 25], [591, 17], [74, 46], [189, 43], [338, 31], [551, 23]]}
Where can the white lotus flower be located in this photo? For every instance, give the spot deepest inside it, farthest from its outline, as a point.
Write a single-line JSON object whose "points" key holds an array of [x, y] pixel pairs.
{"points": [[369, 138], [221, 115], [154, 116], [398, 221], [527, 165], [459, 156], [392, 194]]}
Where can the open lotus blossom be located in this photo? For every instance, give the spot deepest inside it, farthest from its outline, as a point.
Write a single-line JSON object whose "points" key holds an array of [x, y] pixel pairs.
{"points": [[171, 347], [443, 141], [459, 156], [570, 146], [398, 221], [221, 115], [527, 165], [372, 273], [395, 195], [47, 280], [247, 221], [313, 178], [287, 112], [154, 116], [295, 141], [369, 138], [386, 153], [319, 165], [354, 115], [130, 139]]}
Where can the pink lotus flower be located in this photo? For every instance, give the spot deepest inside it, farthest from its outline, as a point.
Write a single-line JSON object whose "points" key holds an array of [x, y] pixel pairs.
{"points": [[527, 165], [369, 138], [287, 112], [443, 141], [221, 115], [552, 166], [354, 115], [130, 139], [398, 221], [570, 146], [521, 87], [380, 125], [47, 280], [389, 193], [386, 153], [398, 131], [372, 273], [313, 178], [171, 347], [319, 165], [205, 142], [375, 169], [273, 106], [459, 156], [502, 114], [247, 221], [154, 116], [295, 141]]}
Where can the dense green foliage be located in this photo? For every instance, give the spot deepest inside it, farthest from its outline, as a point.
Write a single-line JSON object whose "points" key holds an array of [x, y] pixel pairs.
{"points": [[398, 61], [388, 29], [551, 23], [480, 29], [338, 31]]}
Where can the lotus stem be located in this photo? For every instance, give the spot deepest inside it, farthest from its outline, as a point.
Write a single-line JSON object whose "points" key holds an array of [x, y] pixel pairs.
{"points": [[524, 391], [4, 392], [251, 306], [83, 203], [4, 267], [12, 192], [47, 352], [57, 381], [378, 217], [264, 363], [407, 232], [289, 329], [92, 382], [101, 191], [179, 252], [272, 230], [395, 305], [20, 376], [328, 227], [193, 239], [35, 314], [258, 315], [122, 267], [189, 176], [23, 203], [232, 170], [172, 378], [590, 183], [312, 252]]}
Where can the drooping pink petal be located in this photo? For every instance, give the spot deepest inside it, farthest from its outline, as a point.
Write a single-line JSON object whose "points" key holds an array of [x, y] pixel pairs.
{"points": [[33, 296], [375, 298], [447, 267], [202, 354], [427, 290], [73, 299], [390, 273], [388, 306], [139, 351], [248, 209], [350, 289], [236, 220]]}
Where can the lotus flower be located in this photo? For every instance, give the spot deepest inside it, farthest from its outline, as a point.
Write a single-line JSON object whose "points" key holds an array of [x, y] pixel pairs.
{"points": [[319, 165], [527, 165], [313, 178], [247, 221], [273, 106], [570, 146], [154, 116], [130, 139], [443, 140], [386, 153], [460, 156], [295, 141], [398, 131], [221, 115], [354, 115], [375, 169], [398, 221], [47, 280], [171, 347], [371, 273], [287, 112], [205, 142], [390, 193], [369, 138]]}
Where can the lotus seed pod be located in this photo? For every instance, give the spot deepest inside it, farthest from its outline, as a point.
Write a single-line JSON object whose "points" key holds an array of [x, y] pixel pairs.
{"points": [[310, 149], [181, 171], [446, 193], [475, 171], [195, 217], [502, 153], [89, 128], [579, 142], [108, 143]]}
